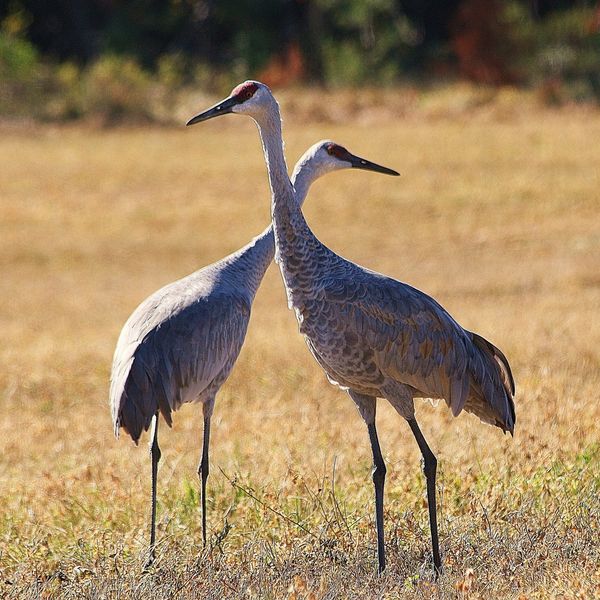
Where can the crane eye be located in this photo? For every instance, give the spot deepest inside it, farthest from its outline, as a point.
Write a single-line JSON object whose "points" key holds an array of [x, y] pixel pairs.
{"points": [[244, 91], [337, 151]]}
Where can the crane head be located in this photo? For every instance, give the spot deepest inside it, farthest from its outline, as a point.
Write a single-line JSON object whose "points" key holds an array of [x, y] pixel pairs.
{"points": [[248, 97], [328, 156]]}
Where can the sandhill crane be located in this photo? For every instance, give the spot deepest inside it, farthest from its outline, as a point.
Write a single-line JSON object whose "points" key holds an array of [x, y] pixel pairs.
{"points": [[373, 336], [180, 344]]}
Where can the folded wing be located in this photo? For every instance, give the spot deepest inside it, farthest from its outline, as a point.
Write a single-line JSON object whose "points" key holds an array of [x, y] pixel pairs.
{"points": [[417, 343]]}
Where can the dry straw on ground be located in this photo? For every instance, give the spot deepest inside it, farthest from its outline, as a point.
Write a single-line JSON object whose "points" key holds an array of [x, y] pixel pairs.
{"points": [[497, 218]]}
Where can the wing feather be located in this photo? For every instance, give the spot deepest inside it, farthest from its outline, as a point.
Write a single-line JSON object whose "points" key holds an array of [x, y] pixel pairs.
{"points": [[414, 339], [417, 343], [176, 359]]}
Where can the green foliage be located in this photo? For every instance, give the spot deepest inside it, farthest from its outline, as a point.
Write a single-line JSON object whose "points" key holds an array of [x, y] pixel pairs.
{"points": [[372, 41], [117, 87], [170, 70], [558, 54], [149, 57], [21, 74], [18, 57], [68, 98]]}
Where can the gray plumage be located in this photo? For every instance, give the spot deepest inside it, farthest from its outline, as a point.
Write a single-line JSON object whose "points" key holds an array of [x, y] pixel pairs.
{"points": [[374, 336], [383, 338], [180, 344]]}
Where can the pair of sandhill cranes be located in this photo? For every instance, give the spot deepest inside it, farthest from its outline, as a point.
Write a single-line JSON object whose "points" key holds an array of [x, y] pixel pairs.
{"points": [[374, 337]]}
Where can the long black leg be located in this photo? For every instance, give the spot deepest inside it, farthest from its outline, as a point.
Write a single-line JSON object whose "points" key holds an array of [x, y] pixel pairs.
{"points": [[203, 473], [367, 406], [155, 456], [378, 473], [430, 468]]}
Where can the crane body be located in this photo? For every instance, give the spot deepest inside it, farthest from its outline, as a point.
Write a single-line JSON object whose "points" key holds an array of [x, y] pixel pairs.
{"points": [[374, 336], [181, 343]]}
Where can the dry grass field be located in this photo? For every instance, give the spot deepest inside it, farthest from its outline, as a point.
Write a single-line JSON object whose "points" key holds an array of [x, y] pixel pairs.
{"points": [[496, 216]]}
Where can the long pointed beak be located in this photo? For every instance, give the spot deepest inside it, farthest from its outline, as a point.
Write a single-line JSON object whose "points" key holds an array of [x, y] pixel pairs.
{"points": [[362, 163], [220, 108]]}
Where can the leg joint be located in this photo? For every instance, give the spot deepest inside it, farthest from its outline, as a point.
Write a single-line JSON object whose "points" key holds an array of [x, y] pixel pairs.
{"points": [[378, 473], [203, 469], [155, 452], [429, 464]]}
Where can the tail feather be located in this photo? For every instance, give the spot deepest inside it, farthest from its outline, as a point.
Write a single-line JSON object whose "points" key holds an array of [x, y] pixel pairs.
{"points": [[141, 398], [495, 382], [132, 419], [507, 376]]}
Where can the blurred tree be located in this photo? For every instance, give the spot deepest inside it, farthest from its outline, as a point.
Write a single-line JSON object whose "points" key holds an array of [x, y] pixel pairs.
{"points": [[559, 54], [63, 29], [334, 41], [481, 41]]}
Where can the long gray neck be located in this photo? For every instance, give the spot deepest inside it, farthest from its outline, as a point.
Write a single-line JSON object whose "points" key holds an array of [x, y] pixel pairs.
{"points": [[303, 176], [252, 261], [254, 258], [289, 226]]}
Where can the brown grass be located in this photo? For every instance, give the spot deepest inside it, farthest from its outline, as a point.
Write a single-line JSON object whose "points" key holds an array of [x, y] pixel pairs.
{"points": [[496, 217]]}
